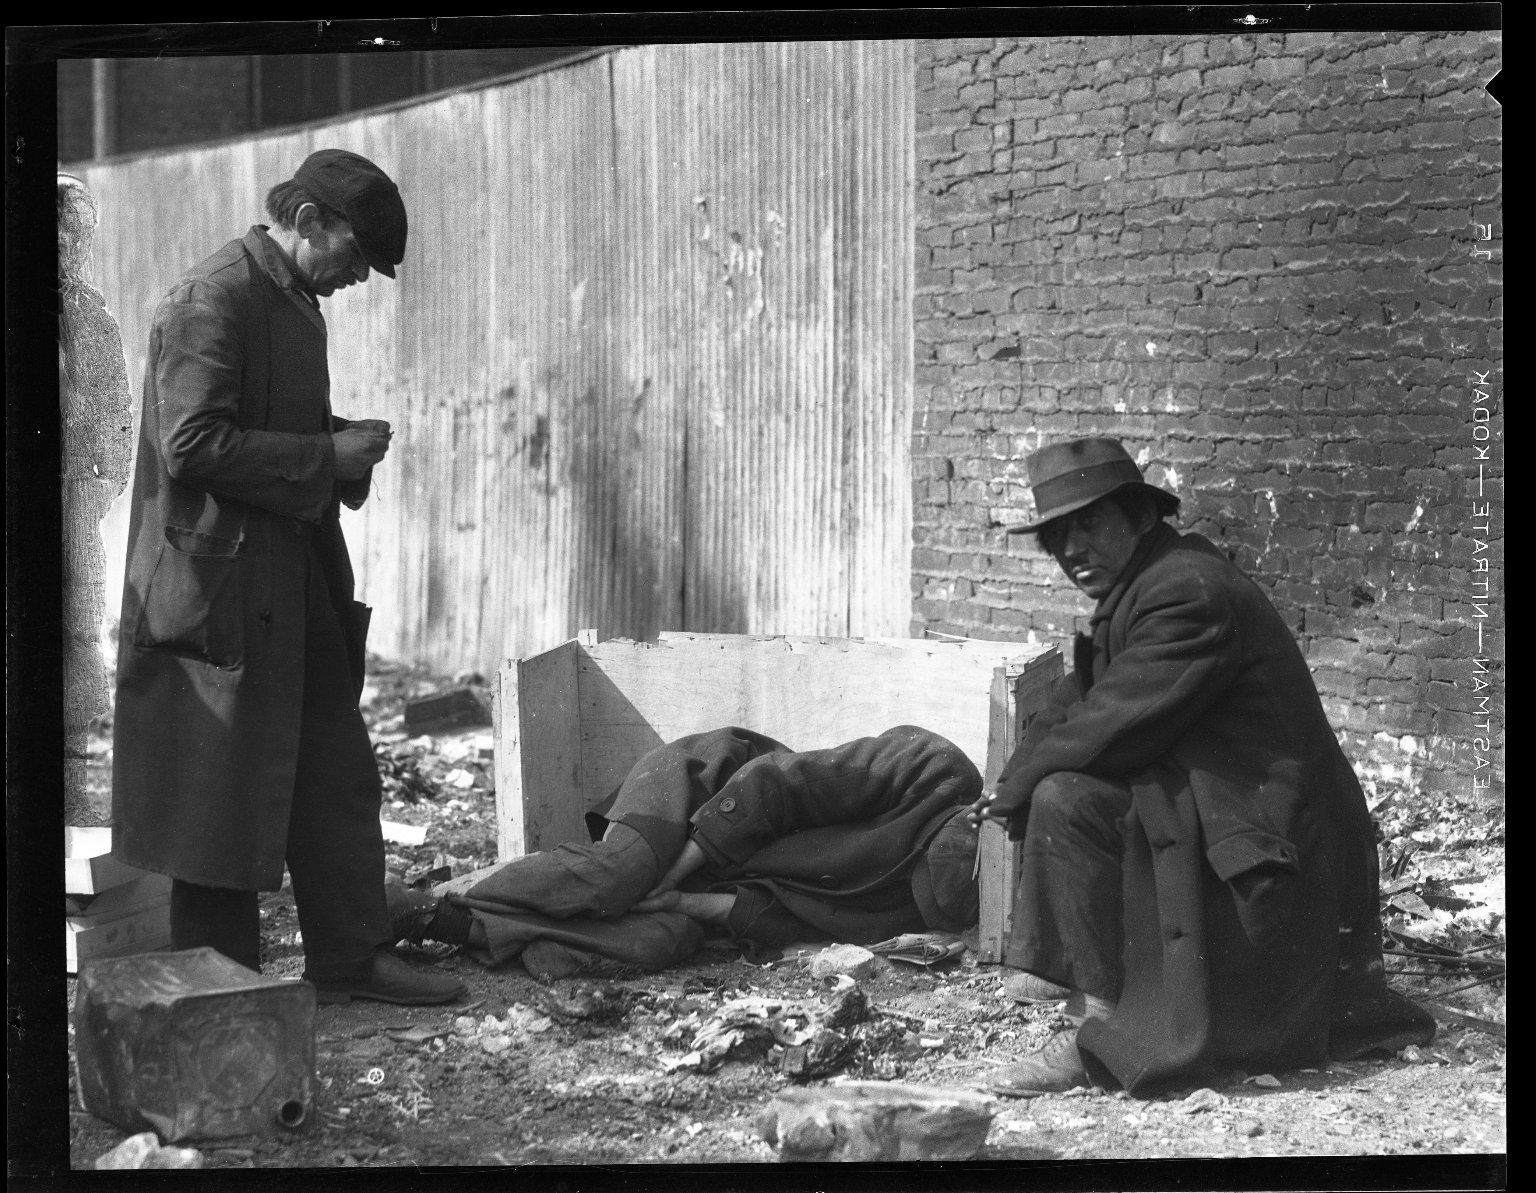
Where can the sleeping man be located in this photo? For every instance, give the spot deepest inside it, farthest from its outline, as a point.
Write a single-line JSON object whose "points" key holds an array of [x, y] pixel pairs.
{"points": [[733, 833]]}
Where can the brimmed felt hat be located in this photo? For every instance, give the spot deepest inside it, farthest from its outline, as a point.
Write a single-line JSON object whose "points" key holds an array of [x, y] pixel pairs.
{"points": [[944, 879], [366, 197], [1068, 476]]}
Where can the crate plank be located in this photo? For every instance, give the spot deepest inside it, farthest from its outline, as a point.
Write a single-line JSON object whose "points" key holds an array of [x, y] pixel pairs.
{"points": [[573, 721], [144, 891], [89, 867], [140, 931], [543, 806], [1019, 693], [808, 692]]}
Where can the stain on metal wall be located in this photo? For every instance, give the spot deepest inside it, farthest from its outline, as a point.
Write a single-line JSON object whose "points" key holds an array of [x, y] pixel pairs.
{"points": [[649, 355]]}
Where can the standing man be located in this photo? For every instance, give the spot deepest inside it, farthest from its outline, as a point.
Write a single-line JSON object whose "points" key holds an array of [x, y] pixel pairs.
{"points": [[1199, 869], [238, 744]]}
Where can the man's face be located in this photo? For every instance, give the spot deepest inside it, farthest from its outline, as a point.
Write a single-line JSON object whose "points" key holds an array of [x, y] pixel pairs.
{"points": [[329, 257], [1093, 545]]}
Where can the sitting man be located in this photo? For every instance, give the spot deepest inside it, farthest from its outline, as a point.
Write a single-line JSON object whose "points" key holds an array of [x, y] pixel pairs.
{"points": [[1198, 865], [733, 831]]}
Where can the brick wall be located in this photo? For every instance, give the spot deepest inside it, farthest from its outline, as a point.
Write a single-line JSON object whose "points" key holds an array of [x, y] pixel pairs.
{"points": [[1253, 259]]}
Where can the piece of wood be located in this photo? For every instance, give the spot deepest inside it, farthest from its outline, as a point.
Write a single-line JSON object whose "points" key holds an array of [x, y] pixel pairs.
{"points": [[544, 805], [89, 867], [996, 872], [90, 840], [810, 693], [403, 834], [144, 891], [457, 708], [1020, 691], [140, 931], [1462, 1019], [571, 722]]}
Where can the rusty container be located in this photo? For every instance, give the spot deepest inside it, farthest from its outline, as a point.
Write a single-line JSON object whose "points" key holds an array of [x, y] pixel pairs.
{"points": [[192, 1045]]}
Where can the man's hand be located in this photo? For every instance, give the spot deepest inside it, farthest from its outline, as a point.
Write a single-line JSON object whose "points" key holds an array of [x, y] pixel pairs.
{"points": [[359, 447], [982, 809], [704, 906], [689, 860]]}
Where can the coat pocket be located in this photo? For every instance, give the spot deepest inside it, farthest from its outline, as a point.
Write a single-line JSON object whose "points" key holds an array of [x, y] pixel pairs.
{"points": [[192, 603], [1264, 875]]}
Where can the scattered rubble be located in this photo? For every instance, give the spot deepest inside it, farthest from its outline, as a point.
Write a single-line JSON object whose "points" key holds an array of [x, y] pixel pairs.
{"points": [[877, 1121], [144, 1151], [456, 708], [575, 1072], [849, 959]]}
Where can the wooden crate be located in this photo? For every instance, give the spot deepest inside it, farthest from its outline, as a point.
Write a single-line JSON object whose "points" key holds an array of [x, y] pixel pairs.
{"points": [[572, 721], [89, 867], [111, 909]]}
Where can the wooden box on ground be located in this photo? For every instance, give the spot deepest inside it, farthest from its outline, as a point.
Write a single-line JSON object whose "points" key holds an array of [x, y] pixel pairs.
{"points": [[572, 721], [111, 909]]}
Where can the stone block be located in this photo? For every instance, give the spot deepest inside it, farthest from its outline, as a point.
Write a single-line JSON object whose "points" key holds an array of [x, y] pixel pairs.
{"points": [[873, 1121], [851, 959]]}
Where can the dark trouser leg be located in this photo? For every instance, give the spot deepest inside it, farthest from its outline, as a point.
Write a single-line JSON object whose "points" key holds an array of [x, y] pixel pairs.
{"points": [[335, 845], [601, 879], [650, 939], [218, 918], [759, 917], [1067, 909]]}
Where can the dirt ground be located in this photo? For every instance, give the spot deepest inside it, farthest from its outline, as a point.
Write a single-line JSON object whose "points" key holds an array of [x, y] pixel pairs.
{"points": [[596, 1073]]}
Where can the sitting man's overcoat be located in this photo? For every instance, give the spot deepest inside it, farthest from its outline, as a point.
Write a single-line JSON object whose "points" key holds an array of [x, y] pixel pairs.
{"points": [[1250, 873]]}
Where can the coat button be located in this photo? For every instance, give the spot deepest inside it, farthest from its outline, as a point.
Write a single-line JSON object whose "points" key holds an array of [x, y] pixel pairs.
{"points": [[728, 804], [829, 881]]}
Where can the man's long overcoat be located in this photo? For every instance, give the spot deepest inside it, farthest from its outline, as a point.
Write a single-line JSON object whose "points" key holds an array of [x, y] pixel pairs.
{"points": [[234, 486], [833, 835], [1250, 872]]}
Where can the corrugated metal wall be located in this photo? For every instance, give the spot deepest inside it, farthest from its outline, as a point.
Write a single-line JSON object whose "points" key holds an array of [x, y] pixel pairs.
{"points": [[649, 355]]}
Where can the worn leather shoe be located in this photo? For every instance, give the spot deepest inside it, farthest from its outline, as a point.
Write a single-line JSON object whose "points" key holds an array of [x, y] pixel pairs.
{"points": [[1053, 1069], [392, 980], [1032, 988], [410, 910]]}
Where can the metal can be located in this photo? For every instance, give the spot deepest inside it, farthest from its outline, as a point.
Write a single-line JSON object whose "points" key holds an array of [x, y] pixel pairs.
{"points": [[192, 1045]]}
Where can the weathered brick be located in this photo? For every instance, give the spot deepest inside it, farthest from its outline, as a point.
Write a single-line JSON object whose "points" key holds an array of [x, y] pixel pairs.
{"points": [[1276, 234]]}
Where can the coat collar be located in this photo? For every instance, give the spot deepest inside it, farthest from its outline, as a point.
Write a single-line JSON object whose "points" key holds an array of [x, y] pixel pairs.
{"points": [[278, 266], [1160, 539]]}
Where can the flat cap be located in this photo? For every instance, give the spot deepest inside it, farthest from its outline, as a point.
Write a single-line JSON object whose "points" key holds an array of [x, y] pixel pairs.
{"points": [[367, 197]]}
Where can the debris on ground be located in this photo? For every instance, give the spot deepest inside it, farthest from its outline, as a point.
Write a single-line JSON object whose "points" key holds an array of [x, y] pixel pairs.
{"points": [[457, 708], [877, 1121], [814, 1039], [529, 1073], [921, 948], [144, 1151], [1200, 1101], [850, 959]]}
